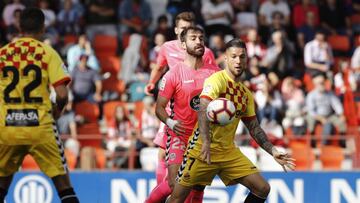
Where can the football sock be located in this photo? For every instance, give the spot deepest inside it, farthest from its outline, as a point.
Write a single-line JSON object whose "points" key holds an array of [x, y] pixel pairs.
{"points": [[68, 196], [251, 198], [3, 193], [159, 193], [195, 196], [161, 171]]}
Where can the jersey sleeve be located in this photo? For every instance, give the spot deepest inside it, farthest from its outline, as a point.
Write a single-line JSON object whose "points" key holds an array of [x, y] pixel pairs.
{"points": [[58, 73], [161, 58], [250, 106], [209, 57], [167, 85], [211, 88]]}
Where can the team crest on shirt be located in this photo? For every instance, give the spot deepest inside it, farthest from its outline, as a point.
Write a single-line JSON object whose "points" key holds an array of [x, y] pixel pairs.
{"points": [[195, 103], [172, 156], [207, 89], [162, 84]]}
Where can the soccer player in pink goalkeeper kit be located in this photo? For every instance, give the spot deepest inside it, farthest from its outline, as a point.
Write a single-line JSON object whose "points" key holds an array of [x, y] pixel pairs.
{"points": [[170, 54], [182, 85]]}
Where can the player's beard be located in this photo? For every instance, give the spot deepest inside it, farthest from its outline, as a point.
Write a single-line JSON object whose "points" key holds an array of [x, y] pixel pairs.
{"points": [[196, 52]]}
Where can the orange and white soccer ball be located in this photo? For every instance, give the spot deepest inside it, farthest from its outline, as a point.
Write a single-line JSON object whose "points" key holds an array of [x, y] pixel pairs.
{"points": [[221, 111]]}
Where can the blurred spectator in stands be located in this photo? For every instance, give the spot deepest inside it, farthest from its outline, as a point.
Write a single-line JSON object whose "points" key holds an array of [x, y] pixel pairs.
{"points": [[279, 57], [174, 7], [134, 16], [149, 124], [306, 32], [159, 39], [68, 19], [119, 137], [100, 18], [355, 65], [66, 125], [133, 60], [325, 108], [318, 56], [8, 12], [164, 28], [333, 17], [83, 47], [340, 81], [301, 10], [268, 7], [253, 45], [86, 83], [217, 45], [277, 24], [50, 20], [294, 101], [254, 75], [269, 103], [245, 19], [218, 16], [13, 30]]}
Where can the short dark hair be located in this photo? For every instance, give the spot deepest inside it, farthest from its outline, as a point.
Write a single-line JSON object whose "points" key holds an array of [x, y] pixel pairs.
{"points": [[236, 42], [32, 20], [162, 18], [186, 30], [185, 16]]}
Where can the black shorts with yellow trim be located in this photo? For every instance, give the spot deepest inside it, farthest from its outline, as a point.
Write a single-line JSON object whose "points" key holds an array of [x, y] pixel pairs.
{"points": [[193, 171]]}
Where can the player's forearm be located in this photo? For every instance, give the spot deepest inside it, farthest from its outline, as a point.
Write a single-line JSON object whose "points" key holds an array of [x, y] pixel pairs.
{"points": [[259, 135], [203, 121], [155, 74], [161, 113]]}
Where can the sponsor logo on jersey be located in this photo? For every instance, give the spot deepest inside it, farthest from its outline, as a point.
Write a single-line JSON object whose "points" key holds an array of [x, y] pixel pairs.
{"points": [[207, 89], [162, 84], [22, 117]]}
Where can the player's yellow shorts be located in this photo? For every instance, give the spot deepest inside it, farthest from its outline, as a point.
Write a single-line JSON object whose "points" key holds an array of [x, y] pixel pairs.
{"points": [[48, 155], [193, 171]]}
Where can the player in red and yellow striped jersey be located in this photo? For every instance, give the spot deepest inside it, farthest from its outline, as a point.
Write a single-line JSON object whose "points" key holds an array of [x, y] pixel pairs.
{"points": [[27, 126], [211, 149]]}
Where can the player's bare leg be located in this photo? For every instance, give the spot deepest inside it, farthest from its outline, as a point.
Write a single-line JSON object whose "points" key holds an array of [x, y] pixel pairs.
{"points": [[64, 189], [4, 186], [258, 186], [179, 194]]}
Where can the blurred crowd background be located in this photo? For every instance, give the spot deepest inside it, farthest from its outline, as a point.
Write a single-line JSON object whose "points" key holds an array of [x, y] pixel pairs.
{"points": [[304, 71]]}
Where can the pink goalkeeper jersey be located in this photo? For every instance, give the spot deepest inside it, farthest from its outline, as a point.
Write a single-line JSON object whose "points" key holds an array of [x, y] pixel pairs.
{"points": [[172, 53], [184, 85]]}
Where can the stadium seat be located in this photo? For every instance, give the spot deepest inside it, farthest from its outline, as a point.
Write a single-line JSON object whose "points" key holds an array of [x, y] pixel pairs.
{"points": [[112, 84], [88, 110], [109, 109], [100, 158], [149, 158], [70, 39], [105, 44], [339, 42], [267, 162], [110, 64], [331, 157], [303, 155], [29, 164], [250, 153], [71, 159]]}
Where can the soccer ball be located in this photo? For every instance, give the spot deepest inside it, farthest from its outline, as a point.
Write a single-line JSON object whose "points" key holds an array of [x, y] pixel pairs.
{"points": [[221, 111]]}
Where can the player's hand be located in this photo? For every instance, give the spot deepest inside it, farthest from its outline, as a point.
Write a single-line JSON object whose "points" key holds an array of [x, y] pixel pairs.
{"points": [[148, 88], [179, 129], [283, 159], [175, 126], [205, 152]]}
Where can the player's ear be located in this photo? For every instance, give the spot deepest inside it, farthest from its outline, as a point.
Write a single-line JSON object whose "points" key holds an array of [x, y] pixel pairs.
{"points": [[183, 45]]}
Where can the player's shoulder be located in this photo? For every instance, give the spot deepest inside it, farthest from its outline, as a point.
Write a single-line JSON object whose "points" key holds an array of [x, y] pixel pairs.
{"points": [[219, 75], [168, 44]]}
